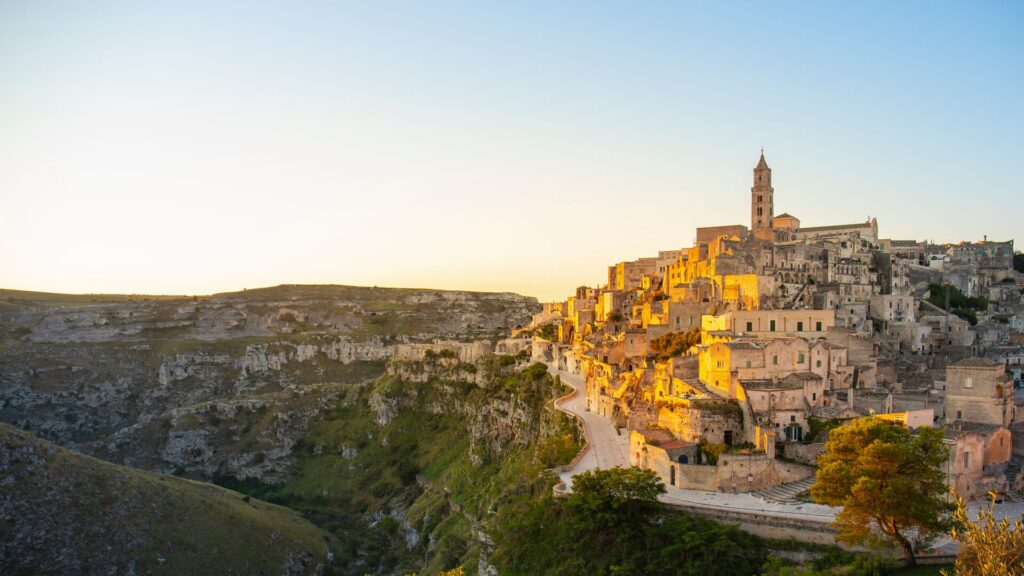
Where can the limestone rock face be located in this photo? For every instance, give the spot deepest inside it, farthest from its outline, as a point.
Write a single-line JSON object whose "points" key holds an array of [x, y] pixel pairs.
{"points": [[224, 385]]}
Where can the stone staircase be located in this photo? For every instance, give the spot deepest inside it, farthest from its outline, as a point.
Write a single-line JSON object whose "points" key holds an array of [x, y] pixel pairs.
{"points": [[1012, 469], [785, 493]]}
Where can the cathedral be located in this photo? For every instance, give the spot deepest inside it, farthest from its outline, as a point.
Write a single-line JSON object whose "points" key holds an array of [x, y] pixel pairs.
{"points": [[764, 225]]}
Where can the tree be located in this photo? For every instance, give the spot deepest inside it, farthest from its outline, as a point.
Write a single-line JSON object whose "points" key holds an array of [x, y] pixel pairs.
{"points": [[616, 316], [612, 523], [1018, 262], [988, 547], [674, 343], [889, 482]]}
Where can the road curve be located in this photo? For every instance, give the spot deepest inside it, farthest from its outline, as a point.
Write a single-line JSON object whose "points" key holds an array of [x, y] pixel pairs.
{"points": [[607, 448]]}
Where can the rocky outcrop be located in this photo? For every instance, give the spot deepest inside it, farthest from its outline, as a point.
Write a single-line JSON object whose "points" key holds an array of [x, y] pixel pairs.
{"points": [[210, 386]]}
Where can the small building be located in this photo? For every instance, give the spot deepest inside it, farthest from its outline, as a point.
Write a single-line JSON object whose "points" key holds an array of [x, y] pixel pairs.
{"points": [[979, 390]]}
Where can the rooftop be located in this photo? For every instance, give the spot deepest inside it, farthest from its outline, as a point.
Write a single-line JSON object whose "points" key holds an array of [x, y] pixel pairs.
{"points": [[955, 428], [767, 384], [834, 227], [975, 362]]}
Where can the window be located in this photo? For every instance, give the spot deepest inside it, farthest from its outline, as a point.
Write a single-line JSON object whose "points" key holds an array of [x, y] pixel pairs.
{"points": [[799, 326], [959, 415], [792, 418], [750, 326], [775, 360], [720, 363], [771, 325], [748, 363], [817, 326], [968, 383], [967, 460], [799, 357], [814, 396], [819, 363]]}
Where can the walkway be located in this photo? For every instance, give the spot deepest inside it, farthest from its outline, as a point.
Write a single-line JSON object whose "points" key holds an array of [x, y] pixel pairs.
{"points": [[606, 448]]}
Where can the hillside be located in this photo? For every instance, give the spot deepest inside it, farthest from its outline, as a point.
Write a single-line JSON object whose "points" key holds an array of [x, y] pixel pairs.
{"points": [[215, 386], [65, 513]]}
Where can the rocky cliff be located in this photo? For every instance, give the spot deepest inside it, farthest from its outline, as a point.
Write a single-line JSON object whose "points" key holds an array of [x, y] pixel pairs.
{"points": [[222, 385], [294, 394]]}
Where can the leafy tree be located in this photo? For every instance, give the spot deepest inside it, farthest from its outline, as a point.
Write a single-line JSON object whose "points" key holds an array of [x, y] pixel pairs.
{"points": [[1018, 262], [988, 547], [674, 343], [615, 316], [548, 332], [957, 299], [889, 482], [612, 523], [632, 490]]}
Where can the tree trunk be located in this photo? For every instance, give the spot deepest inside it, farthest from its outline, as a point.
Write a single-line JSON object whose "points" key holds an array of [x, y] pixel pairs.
{"points": [[908, 547], [909, 551]]}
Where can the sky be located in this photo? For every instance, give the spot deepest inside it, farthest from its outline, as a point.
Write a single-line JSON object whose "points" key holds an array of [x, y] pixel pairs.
{"points": [[198, 147]]}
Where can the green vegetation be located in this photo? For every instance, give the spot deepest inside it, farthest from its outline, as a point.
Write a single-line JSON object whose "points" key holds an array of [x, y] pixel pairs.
{"points": [[819, 427], [988, 547], [674, 343], [889, 482], [548, 332], [613, 524], [105, 518], [435, 470], [963, 306], [616, 316], [1018, 262]]}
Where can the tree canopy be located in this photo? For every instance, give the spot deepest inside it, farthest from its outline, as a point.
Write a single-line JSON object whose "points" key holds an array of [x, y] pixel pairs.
{"points": [[674, 343], [962, 306], [889, 482], [612, 523]]}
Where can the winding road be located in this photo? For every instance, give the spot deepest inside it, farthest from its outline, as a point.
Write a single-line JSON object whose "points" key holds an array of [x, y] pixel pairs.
{"points": [[607, 448]]}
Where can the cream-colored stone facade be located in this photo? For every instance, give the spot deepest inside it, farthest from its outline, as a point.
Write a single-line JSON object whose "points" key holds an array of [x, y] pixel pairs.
{"points": [[794, 322]]}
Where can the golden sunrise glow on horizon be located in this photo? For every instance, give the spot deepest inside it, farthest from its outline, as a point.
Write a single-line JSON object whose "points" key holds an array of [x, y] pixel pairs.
{"points": [[188, 149]]}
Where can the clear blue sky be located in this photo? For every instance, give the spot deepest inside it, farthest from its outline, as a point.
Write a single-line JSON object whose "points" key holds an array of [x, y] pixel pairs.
{"points": [[191, 147]]}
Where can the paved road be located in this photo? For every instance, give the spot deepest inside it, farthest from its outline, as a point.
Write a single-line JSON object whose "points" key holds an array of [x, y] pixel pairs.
{"points": [[608, 449]]}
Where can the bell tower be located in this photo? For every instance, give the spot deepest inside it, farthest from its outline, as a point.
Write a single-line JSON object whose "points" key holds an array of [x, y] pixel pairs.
{"points": [[762, 204]]}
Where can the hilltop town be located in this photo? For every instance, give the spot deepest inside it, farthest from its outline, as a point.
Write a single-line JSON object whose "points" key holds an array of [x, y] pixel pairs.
{"points": [[726, 363]]}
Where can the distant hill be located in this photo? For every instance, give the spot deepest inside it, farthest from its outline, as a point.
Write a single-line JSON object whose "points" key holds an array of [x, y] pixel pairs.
{"points": [[65, 513]]}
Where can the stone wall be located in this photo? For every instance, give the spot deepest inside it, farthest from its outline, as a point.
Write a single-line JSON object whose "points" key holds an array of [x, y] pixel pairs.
{"points": [[748, 472], [697, 477], [803, 453]]}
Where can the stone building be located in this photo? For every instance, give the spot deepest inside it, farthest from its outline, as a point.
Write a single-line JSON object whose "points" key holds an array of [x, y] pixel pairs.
{"points": [[762, 203], [979, 390]]}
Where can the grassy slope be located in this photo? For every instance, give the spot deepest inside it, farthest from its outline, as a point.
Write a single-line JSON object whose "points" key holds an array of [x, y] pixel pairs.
{"points": [[419, 472], [63, 512]]}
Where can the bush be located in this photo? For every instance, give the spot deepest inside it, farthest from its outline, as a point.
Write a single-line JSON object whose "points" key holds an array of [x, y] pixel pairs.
{"points": [[547, 332], [674, 343]]}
